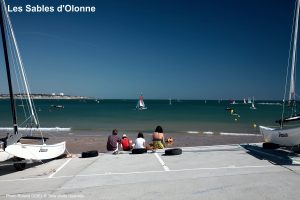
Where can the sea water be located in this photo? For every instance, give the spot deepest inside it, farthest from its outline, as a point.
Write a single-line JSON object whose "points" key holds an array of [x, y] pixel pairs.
{"points": [[181, 116]]}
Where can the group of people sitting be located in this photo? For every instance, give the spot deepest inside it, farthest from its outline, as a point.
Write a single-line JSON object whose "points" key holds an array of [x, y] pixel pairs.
{"points": [[158, 141]]}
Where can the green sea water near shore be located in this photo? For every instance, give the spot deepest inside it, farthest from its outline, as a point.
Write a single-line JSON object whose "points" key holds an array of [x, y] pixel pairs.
{"points": [[182, 116]]}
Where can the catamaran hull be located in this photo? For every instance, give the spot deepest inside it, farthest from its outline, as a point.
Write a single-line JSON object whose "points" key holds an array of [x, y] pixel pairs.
{"points": [[36, 152], [4, 156], [142, 108], [282, 137]]}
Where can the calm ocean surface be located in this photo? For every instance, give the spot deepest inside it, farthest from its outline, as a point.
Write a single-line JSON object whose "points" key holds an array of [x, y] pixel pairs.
{"points": [[182, 116]]}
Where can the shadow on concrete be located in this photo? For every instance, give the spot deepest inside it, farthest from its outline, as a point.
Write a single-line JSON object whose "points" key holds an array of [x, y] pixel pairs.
{"points": [[274, 156], [7, 167]]}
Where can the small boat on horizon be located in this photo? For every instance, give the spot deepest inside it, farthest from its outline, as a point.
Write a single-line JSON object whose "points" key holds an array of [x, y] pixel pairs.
{"points": [[253, 106], [58, 106], [249, 100], [140, 104], [232, 102]]}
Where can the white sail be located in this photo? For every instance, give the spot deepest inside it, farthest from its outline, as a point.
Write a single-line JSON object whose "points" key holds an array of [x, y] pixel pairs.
{"points": [[140, 104], [292, 81], [249, 100], [253, 105]]}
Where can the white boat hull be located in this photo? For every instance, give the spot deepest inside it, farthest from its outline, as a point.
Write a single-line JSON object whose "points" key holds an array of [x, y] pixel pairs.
{"points": [[36, 152], [5, 156], [282, 137], [142, 108]]}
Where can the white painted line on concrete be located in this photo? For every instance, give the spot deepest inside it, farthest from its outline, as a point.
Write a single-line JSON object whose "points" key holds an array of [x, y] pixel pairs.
{"points": [[228, 167], [179, 170], [119, 173], [162, 162], [142, 172], [62, 166], [216, 147]]}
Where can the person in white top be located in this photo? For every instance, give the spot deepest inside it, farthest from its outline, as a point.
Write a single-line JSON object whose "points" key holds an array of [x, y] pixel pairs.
{"points": [[140, 142]]}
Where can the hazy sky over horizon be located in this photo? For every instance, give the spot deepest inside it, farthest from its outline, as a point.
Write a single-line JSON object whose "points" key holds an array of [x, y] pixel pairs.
{"points": [[186, 49]]}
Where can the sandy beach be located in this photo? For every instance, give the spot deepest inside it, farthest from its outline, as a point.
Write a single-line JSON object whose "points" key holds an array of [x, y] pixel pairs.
{"points": [[78, 143]]}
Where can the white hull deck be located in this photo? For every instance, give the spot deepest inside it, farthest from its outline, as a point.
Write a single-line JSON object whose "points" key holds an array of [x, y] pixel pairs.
{"points": [[283, 137], [36, 152], [142, 108], [4, 155], [215, 172]]}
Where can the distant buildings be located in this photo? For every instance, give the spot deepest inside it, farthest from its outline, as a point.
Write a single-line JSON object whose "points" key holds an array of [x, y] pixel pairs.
{"points": [[44, 96]]}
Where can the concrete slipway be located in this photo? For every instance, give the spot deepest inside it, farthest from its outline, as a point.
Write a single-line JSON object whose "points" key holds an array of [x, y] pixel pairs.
{"points": [[212, 172]]}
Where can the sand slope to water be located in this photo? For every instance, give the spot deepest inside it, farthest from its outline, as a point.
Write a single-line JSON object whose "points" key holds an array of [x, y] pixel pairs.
{"points": [[80, 143]]}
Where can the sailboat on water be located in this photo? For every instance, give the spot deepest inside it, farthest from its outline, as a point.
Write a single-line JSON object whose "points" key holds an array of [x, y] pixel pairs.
{"points": [[283, 136], [11, 146], [140, 104], [253, 105], [249, 101]]}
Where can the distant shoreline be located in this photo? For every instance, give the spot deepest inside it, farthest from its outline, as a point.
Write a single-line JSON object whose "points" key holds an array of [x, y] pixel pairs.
{"points": [[58, 96], [43, 96]]}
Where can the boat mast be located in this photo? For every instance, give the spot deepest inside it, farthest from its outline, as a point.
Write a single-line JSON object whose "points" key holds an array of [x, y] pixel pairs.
{"points": [[292, 99], [10, 139], [34, 118]]}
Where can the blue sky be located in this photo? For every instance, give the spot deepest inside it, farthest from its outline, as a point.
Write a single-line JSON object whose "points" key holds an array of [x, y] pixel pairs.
{"points": [[186, 49]]}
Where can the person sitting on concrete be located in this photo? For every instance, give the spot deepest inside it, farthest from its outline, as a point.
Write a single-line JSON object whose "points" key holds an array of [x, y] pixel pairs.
{"points": [[139, 144], [113, 141], [158, 138], [125, 143]]}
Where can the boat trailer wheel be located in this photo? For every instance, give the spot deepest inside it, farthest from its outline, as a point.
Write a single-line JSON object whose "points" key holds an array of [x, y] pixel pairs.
{"points": [[19, 166], [171, 152], [89, 154]]}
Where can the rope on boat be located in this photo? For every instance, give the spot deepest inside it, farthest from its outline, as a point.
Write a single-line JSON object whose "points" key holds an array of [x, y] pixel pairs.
{"points": [[296, 11], [20, 72]]}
